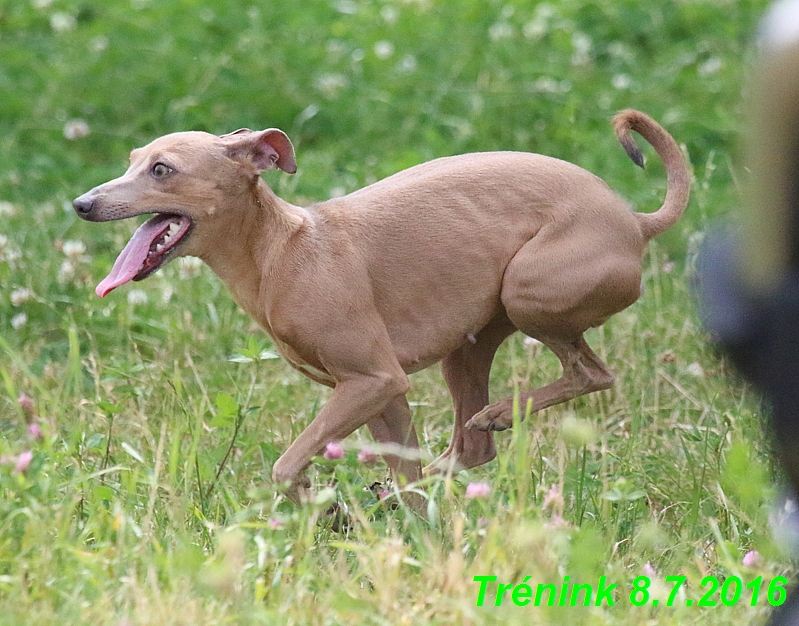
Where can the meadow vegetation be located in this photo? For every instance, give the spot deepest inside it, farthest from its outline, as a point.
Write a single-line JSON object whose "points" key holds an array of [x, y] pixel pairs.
{"points": [[156, 414]]}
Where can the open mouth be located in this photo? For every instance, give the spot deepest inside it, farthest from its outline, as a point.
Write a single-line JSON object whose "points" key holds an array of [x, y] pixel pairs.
{"points": [[147, 250]]}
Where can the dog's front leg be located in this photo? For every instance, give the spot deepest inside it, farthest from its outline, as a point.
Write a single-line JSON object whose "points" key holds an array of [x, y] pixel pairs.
{"points": [[355, 400]]}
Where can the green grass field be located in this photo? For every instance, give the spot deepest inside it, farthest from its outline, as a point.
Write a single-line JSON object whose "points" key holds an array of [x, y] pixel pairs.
{"points": [[147, 499]]}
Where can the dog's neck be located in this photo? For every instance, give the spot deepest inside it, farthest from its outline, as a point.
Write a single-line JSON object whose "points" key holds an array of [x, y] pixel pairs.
{"points": [[243, 257]]}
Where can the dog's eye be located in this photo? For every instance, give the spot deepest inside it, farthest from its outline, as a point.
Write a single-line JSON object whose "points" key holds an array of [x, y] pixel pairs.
{"points": [[160, 170]]}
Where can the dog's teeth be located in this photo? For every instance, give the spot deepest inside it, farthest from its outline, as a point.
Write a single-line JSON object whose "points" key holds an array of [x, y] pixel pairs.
{"points": [[159, 247], [171, 231]]}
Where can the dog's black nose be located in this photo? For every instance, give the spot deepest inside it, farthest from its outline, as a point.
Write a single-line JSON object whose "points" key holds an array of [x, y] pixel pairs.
{"points": [[83, 205]]}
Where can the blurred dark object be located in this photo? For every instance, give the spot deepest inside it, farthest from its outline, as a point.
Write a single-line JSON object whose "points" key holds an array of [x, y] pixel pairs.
{"points": [[760, 334], [749, 278]]}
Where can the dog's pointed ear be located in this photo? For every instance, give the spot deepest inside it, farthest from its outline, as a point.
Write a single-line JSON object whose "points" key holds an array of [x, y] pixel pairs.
{"points": [[263, 150]]}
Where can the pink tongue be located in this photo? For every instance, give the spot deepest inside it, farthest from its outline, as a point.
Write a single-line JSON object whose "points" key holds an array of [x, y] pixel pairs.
{"points": [[130, 261]]}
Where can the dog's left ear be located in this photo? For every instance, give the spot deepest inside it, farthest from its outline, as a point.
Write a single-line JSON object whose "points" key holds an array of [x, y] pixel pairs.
{"points": [[264, 149]]}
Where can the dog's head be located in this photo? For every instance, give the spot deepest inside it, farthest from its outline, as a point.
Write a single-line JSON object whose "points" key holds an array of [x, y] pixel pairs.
{"points": [[186, 181]]}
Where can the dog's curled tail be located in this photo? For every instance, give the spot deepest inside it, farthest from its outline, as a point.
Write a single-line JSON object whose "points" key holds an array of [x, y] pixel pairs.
{"points": [[678, 178]]}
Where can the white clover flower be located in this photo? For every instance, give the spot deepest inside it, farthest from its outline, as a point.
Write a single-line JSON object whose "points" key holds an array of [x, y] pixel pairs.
{"points": [[76, 129], [407, 64], [99, 43], [582, 49], [347, 7], [535, 29], [547, 84], [621, 51], [8, 251], [73, 249], [12, 254], [540, 24], [695, 369], [384, 49], [710, 67], [137, 296], [66, 272], [331, 84], [7, 209], [62, 22], [390, 14], [500, 30], [336, 49], [21, 296], [189, 267], [621, 81], [19, 320]]}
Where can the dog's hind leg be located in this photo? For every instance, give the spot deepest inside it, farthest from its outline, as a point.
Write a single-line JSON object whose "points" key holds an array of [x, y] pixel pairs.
{"points": [[583, 372], [554, 290], [393, 426], [466, 372]]}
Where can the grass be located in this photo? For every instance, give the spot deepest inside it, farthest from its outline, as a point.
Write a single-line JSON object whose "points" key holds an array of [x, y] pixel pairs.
{"points": [[148, 500]]}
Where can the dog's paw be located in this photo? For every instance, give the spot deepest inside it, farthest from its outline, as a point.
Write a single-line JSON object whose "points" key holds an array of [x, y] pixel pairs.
{"points": [[493, 417]]}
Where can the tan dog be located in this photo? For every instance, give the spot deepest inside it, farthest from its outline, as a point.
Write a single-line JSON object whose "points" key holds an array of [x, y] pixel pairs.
{"points": [[440, 262]]}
